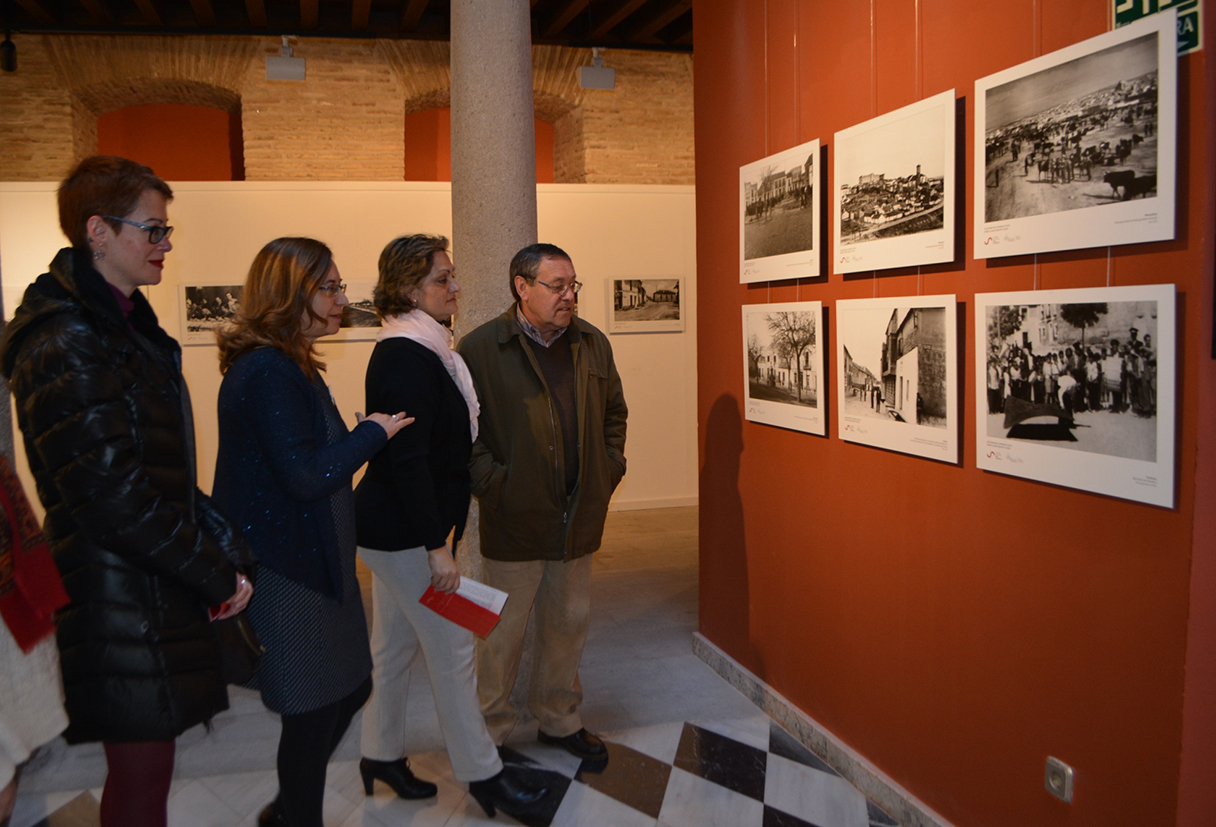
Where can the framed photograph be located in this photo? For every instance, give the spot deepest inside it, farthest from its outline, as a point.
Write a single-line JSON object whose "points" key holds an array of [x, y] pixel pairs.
{"points": [[359, 320], [779, 216], [896, 364], [783, 365], [645, 305], [893, 204], [1077, 148], [1078, 388], [204, 307]]}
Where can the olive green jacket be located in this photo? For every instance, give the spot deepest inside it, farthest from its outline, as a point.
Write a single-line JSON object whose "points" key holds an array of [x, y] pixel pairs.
{"points": [[516, 466]]}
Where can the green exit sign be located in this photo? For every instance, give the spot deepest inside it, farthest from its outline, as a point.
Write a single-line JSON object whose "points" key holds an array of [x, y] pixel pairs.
{"points": [[1127, 11]]}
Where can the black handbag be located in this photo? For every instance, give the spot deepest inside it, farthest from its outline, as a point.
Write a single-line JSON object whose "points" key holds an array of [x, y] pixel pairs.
{"points": [[240, 649]]}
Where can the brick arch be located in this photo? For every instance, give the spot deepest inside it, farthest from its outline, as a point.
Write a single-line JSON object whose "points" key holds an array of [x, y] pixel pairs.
{"points": [[102, 74], [422, 68]]}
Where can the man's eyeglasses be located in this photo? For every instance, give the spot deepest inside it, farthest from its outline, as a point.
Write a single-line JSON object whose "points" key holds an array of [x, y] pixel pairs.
{"points": [[332, 289], [156, 232], [560, 289]]}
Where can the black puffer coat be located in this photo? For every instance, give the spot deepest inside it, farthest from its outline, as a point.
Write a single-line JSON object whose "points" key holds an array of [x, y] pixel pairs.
{"points": [[106, 420]]}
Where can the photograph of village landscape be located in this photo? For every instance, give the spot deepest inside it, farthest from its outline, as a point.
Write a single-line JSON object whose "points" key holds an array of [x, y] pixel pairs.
{"points": [[644, 306], [893, 192], [896, 374], [779, 216], [1080, 134], [783, 363], [1079, 376]]}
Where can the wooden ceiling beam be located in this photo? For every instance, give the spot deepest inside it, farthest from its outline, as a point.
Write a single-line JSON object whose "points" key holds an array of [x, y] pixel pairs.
{"points": [[600, 27], [360, 11], [204, 13], [310, 14], [411, 13], [37, 11], [98, 11], [648, 30], [561, 17], [150, 9], [256, 9]]}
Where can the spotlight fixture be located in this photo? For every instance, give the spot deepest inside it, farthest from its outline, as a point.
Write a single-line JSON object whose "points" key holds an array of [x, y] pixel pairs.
{"points": [[597, 75], [284, 66], [8, 53]]}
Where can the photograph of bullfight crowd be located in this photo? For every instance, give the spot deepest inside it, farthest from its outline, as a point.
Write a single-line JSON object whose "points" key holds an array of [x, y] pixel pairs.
{"points": [[206, 308], [778, 208], [1080, 134], [1077, 375]]}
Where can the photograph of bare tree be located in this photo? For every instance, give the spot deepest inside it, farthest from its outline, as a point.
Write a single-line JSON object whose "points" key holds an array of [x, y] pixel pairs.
{"points": [[1077, 148], [783, 365], [1078, 388], [896, 385], [779, 216]]}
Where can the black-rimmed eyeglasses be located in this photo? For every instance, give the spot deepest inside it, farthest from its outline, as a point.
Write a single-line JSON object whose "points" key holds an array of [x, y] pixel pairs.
{"points": [[560, 289], [156, 232]]}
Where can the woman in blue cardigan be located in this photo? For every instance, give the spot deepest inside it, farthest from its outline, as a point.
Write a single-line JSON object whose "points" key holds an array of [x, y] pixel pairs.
{"points": [[283, 475]]}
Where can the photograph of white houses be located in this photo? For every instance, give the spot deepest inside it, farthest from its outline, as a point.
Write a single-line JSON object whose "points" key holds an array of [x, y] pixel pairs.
{"points": [[644, 305], [897, 385], [783, 364]]}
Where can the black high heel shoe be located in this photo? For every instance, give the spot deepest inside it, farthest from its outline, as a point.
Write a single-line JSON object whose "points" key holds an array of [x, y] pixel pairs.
{"points": [[272, 816], [396, 774], [506, 792]]}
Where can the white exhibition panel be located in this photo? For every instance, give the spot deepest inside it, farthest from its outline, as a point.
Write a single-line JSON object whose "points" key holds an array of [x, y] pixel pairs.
{"points": [[610, 231]]}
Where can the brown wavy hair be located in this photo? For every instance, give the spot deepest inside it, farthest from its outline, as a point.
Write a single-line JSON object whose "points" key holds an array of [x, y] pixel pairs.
{"points": [[279, 290], [405, 263]]}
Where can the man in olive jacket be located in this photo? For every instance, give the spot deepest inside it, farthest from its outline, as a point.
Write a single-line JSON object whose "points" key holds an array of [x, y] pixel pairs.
{"points": [[549, 453]]}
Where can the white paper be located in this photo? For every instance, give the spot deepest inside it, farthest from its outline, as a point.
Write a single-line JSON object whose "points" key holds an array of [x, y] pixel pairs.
{"points": [[487, 597]]}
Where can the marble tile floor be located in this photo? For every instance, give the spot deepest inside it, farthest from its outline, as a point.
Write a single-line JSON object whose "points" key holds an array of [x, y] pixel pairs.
{"points": [[685, 747]]}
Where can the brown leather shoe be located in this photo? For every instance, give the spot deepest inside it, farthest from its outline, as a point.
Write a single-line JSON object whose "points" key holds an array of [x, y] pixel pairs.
{"points": [[581, 744]]}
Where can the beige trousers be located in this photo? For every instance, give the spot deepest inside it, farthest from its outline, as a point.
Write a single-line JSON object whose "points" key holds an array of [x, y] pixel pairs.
{"points": [[561, 593], [401, 629]]}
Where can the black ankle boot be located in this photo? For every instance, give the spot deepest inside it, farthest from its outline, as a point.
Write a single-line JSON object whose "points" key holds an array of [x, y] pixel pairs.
{"points": [[507, 792], [397, 775], [272, 816]]}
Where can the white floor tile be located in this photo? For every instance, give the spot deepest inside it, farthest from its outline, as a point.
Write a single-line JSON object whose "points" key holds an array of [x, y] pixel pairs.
{"points": [[814, 796], [659, 741], [191, 804], [585, 807], [694, 801]]}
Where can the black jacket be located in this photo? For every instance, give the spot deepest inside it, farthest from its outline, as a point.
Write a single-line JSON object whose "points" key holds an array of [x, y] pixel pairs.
{"points": [[105, 415], [417, 491]]}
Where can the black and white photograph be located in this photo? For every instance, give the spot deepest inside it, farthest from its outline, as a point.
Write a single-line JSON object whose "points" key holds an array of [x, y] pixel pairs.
{"points": [[1078, 388], [783, 365], [893, 202], [896, 386], [779, 216], [359, 319], [205, 308], [1077, 148], [645, 306]]}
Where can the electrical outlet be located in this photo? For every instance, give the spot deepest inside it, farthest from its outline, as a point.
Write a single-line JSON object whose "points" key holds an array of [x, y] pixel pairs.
{"points": [[1058, 779]]}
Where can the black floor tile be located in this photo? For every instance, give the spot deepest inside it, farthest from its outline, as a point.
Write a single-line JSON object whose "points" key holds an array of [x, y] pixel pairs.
{"points": [[629, 777], [776, 818], [782, 743], [534, 774], [722, 760]]}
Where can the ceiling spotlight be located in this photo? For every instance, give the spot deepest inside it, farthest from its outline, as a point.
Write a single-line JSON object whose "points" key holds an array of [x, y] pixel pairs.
{"points": [[8, 53], [597, 75], [284, 66]]}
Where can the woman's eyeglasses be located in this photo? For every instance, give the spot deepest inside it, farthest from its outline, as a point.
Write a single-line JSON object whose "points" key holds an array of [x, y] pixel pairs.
{"points": [[156, 232], [332, 289]]}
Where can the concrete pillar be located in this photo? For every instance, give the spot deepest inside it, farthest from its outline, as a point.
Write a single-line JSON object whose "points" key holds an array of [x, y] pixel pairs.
{"points": [[493, 168]]}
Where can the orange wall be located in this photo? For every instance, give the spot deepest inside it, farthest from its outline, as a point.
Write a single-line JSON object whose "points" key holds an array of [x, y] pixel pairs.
{"points": [[953, 626], [179, 142], [428, 147]]}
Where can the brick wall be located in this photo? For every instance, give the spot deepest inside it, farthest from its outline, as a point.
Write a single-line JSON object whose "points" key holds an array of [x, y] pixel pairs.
{"points": [[345, 122]]}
